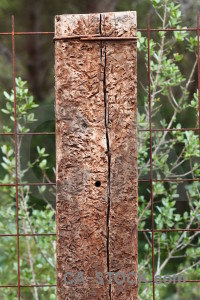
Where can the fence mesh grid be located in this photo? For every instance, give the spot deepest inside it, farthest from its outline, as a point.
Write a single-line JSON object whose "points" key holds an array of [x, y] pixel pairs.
{"points": [[151, 180]]}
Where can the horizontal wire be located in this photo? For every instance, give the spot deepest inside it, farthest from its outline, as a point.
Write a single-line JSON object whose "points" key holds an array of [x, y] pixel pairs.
{"points": [[54, 285], [27, 234], [139, 230], [28, 33], [171, 230], [142, 130], [29, 184], [169, 129], [26, 133], [140, 29], [176, 281], [139, 180], [168, 29], [170, 180], [29, 285]]}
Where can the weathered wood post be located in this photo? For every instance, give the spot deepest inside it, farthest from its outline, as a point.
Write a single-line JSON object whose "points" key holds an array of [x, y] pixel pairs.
{"points": [[96, 142]]}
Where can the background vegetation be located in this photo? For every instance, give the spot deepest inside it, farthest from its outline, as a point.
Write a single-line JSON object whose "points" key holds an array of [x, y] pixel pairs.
{"points": [[174, 83]]}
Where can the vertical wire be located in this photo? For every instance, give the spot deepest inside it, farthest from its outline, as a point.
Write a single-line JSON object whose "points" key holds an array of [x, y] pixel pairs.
{"points": [[198, 57], [151, 168], [16, 153]]}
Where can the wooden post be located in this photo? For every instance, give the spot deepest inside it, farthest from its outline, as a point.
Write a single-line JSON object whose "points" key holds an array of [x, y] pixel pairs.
{"points": [[96, 142]]}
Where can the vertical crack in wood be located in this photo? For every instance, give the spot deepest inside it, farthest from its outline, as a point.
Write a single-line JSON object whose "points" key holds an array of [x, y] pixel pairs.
{"points": [[109, 162], [106, 113]]}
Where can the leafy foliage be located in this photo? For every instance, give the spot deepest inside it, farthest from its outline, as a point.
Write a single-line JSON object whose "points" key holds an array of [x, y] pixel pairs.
{"points": [[37, 253], [175, 154]]}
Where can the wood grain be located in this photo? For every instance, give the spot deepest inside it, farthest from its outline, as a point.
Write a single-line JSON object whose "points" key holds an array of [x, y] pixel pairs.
{"points": [[96, 144]]}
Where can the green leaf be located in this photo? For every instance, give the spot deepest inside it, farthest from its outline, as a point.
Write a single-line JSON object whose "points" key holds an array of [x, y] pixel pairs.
{"points": [[43, 164], [185, 215], [156, 3], [4, 149], [6, 95], [5, 111]]}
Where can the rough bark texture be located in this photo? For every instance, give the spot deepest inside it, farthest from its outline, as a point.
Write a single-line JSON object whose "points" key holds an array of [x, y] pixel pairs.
{"points": [[96, 145]]}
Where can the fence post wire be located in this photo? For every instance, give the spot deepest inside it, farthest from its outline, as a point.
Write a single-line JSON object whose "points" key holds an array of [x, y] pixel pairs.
{"points": [[96, 141]]}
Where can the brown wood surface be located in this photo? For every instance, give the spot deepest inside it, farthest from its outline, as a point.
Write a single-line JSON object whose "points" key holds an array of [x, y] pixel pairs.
{"points": [[96, 144]]}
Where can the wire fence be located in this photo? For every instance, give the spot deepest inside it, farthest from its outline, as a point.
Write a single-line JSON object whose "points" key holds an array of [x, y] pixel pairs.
{"points": [[151, 180]]}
